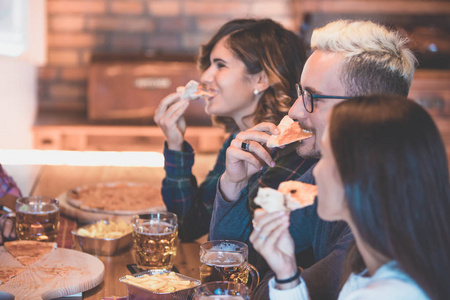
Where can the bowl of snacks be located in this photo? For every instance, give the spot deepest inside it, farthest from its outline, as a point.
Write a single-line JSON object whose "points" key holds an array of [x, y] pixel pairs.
{"points": [[104, 237], [160, 285]]}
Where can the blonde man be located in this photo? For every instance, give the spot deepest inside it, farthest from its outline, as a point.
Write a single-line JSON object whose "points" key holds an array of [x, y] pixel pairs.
{"points": [[349, 58]]}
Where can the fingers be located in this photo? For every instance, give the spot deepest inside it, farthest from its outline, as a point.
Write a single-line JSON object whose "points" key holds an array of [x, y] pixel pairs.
{"points": [[175, 112], [172, 113], [164, 105], [268, 229], [266, 127], [259, 133], [255, 154], [8, 228], [235, 155], [254, 139], [263, 220]]}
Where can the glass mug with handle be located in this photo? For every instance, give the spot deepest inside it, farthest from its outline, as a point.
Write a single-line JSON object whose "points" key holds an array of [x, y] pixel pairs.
{"points": [[154, 240], [218, 290], [37, 218], [226, 260]]}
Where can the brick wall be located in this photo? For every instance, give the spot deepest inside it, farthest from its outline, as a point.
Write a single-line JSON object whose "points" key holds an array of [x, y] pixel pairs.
{"points": [[79, 28]]}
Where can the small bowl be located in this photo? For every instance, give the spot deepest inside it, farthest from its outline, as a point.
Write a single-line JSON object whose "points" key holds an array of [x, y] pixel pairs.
{"points": [[104, 247], [140, 293]]}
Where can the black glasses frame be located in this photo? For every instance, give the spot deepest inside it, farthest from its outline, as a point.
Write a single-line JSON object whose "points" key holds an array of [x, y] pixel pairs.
{"points": [[305, 94]]}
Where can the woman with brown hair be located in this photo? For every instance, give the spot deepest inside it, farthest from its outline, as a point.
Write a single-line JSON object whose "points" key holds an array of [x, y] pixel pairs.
{"points": [[384, 171], [251, 67]]}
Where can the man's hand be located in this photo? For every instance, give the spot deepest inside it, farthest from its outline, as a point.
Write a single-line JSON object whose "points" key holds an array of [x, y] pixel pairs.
{"points": [[169, 116], [242, 163]]}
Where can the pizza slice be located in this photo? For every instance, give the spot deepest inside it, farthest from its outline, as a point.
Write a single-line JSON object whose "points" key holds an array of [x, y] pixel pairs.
{"points": [[6, 273], [290, 195], [290, 132], [28, 252], [193, 90]]}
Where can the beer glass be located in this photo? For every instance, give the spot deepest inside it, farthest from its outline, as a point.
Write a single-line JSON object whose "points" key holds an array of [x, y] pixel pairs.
{"points": [[37, 218], [226, 260], [154, 237], [218, 290]]}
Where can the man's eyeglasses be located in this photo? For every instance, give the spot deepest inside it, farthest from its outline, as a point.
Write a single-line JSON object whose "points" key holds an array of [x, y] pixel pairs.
{"points": [[308, 98]]}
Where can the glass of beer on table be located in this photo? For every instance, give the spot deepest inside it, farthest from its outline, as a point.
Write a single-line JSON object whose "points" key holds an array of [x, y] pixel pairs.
{"points": [[226, 260], [218, 290], [154, 240], [37, 218]]}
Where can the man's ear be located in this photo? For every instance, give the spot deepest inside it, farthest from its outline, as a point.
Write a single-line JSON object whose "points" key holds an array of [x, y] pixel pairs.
{"points": [[263, 82]]}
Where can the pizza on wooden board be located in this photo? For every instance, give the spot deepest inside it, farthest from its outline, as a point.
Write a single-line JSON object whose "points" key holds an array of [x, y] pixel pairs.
{"points": [[116, 198], [6, 273], [290, 132], [28, 252], [290, 195]]}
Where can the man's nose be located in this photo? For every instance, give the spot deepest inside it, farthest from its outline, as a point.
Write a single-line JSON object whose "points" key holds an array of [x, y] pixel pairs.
{"points": [[297, 111]]}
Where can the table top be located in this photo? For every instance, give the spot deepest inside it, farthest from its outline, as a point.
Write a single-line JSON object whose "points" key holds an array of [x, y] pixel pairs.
{"points": [[54, 180]]}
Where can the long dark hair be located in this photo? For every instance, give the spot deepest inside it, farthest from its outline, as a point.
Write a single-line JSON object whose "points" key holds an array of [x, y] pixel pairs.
{"points": [[262, 45], [394, 168]]}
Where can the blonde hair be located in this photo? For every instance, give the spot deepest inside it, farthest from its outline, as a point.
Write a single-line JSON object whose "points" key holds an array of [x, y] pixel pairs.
{"points": [[372, 52]]}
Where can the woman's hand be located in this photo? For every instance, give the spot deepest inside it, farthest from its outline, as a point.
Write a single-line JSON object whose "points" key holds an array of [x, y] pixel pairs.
{"points": [[169, 116], [271, 238]]}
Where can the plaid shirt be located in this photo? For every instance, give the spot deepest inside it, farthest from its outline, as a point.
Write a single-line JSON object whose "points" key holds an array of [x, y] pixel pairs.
{"points": [[193, 204], [7, 185], [182, 194]]}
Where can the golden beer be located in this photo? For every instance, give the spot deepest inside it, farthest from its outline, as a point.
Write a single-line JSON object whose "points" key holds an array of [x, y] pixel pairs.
{"points": [[37, 218], [223, 266], [155, 244]]}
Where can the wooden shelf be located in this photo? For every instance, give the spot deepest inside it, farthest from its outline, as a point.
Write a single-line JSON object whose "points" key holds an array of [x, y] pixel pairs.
{"points": [[73, 132]]}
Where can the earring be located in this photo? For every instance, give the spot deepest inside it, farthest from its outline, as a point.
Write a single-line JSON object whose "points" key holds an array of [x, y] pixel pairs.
{"points": [[256, 92]]}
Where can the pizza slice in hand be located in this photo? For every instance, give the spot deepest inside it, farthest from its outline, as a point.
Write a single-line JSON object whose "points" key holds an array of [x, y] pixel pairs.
{"points": [[193, 90], [28, 252], [290, 195], [290, 132]]}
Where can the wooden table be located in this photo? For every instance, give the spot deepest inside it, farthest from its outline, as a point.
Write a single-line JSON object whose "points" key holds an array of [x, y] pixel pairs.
{"points": [[55, 180]]}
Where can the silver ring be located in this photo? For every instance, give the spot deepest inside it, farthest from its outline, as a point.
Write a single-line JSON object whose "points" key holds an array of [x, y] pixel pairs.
{"points": [[262, 237], [245, 145]]}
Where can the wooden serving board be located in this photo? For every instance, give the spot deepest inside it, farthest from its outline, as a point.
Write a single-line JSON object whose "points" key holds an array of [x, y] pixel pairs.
{"points": [[61, 273]]}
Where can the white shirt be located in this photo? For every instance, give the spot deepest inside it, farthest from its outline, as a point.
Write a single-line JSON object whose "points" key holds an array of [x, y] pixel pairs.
{"points": [[388, 283]]}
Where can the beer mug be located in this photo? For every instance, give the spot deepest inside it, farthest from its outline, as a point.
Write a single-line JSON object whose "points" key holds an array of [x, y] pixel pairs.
{"points": [[37, 218], [226, 260], [154, 238], [218, 290]]}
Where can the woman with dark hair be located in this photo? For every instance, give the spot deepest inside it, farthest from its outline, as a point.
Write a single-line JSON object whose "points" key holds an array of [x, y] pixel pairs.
{"points": [[251, 66], [384, 171]]}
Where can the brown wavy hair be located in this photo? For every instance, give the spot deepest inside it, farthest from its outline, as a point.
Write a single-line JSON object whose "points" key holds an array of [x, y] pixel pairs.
{"points": [[262, 45]]}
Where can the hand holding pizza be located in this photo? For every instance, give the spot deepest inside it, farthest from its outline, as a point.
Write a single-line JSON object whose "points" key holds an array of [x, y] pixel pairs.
{"points": [[271, 238], [246, 156], [169, 116]]}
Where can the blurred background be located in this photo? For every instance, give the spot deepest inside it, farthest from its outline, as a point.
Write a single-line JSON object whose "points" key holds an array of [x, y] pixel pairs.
{"points": [[88, 74]]}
